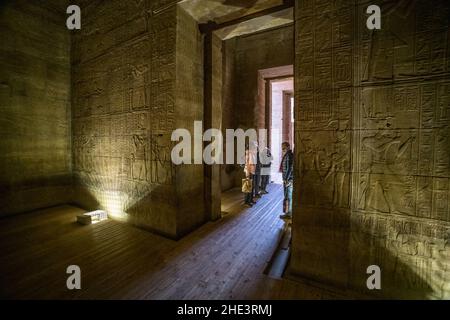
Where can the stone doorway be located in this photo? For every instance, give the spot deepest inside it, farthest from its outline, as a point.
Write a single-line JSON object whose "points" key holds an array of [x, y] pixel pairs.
{"points": [[281, 122]]}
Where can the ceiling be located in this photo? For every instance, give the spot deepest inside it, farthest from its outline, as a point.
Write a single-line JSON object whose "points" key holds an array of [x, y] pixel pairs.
{"points": [[273, 20], [221, 11], [278, 72]]}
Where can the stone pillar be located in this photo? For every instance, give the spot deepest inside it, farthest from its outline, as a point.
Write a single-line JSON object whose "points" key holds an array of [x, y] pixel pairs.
{"points": [[212, 118]]}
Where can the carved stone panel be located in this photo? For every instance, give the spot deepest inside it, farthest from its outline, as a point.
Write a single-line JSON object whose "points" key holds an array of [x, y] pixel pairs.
{"points": [[124, 111], [372, 126]]}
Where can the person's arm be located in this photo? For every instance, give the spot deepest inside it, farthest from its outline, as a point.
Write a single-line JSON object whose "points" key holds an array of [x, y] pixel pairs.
{"points": [[290, 166], [404, 146]]}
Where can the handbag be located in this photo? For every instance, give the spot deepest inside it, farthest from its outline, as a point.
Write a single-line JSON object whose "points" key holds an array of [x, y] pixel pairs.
{"points": [[247, 185]]}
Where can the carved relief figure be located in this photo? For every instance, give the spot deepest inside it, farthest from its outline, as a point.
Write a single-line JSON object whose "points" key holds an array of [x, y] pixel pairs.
{"points": [[138, 158], [337, 168], [161, 162], [323, 170], [385, 150]]}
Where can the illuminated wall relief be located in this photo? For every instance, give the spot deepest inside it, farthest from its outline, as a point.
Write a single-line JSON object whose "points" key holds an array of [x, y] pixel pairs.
{"points": [[124, 111]]}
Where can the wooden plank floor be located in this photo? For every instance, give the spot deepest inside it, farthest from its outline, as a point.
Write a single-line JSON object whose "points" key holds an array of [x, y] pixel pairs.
{"points": [[220, 260]]}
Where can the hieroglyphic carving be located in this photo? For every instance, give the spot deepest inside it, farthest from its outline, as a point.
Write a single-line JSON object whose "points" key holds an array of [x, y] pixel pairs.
{"points": [[324, 98], [139, 158], [124, 105], [305, 68], [324, 64], [402, 167], [343, 67], [162, 168], [406, 47], [385, 155], [324, 166], [410, 136], [162, 37], [389, 104], [417, 245]]}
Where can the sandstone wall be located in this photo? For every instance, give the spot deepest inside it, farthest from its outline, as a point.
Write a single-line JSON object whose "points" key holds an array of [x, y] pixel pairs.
{"points": [[125, 68], [35, 157], [373, 149], [273, 48], [191, 211], [228, 172]]}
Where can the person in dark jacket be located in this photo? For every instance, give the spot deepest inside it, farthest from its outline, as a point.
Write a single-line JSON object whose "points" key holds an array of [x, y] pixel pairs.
{"points": [[257, 181], [287, 170]]}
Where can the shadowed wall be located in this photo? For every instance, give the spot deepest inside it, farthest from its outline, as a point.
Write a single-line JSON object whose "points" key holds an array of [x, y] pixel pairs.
{"points": [[264, 50], [35, 157], [373, 149], [228, 172]]}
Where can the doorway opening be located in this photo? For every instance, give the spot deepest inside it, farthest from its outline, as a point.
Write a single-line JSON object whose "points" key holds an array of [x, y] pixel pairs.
{"points": [[282, 118], [245, 59], [279, 121]]}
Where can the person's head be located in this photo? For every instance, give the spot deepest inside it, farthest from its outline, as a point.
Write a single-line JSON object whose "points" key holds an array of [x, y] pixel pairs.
{"points": [[285, 147]]}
